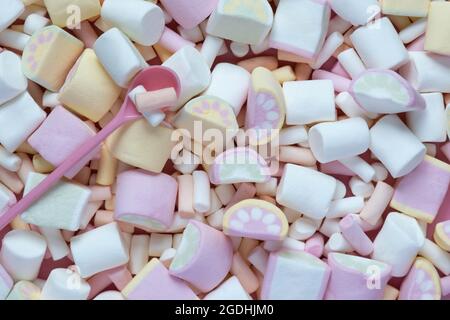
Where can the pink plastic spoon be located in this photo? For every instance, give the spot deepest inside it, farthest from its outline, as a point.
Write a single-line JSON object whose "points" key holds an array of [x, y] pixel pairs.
{"points": [[152, 78]]}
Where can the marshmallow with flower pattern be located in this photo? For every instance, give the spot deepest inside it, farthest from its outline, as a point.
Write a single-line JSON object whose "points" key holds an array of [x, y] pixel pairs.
{"points": [[421, 283]]}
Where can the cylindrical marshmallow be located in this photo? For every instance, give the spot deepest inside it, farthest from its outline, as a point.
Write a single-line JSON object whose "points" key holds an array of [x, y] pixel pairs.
{"points": [[331, 44], [202, 200], [413, 31], [189, 14], [231, 289], [377, 203], [303, 228], [360, 188], [11, 10], [211, 49], [159, 243], [348, 105], [9, 161], [337, 243], [341, 207], [138, 253], [34, 22], [351, 62], [65, 284], [359, 12], [438, 257], [360, 167], [353, 233], [55, 242]]}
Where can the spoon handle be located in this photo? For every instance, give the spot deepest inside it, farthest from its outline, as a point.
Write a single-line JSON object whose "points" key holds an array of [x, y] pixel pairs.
{"points": [[28, 199]]}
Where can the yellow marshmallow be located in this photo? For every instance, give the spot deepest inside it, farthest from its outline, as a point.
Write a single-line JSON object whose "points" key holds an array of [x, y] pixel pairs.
{"points": [[141, 145], [49, 56], [408, 8], [89, 90], [63, 12], [438, 28]]}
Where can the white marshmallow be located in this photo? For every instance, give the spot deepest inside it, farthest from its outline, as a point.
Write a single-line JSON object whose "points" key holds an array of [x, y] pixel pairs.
{"points": [[119, 56], [194, 35], [238, 49], [430, 124], [229, 21], [379, 45], [306, 190], [231, 289], [99, 249], [413, 31], [62, 207], [110, 295], [230, 83], [309, 101], [341, 190], [381, 173], [192, 70], [56, 244], [292, 135], [211, 48], [153, 118], [9, 161], [12, 80], [357, 12], [64, 284], [396, 146], [427, 72], [22, 254], [436, 255], [13, 39], [351, 108], [11, 10], [50, 99], [18, 119], [303, 228], [260, 48], [351, 62], [341, 207], [300, 27], [142, 21], [398, 243], [202, 200], [7, 198], [360, 188], [338, 140], [337, 243], [138, 253], [332, 43], [359, 167], [330, 226], [35, 22], [258, 258]]}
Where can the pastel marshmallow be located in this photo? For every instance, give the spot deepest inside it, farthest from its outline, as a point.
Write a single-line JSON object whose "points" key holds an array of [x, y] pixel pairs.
{"points": [[189, 15], [145, 199], [421, 192], [357, 12], [442, 235], [46, 46], [300, 27], [421, 283], [230, 289], [6, 283], [438, 28], [408, 8], [24, 290], [65, 284], [11, 10], [63, 207], [61, 11], [12, 80]]}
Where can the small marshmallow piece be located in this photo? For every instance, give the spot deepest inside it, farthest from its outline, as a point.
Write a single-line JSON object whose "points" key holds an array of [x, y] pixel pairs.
{"points": [[294, 276], [421, 192], [341, 207], [309, 101], [141, 21], [306, 190], [46, 46], [189, 14], [442, 235], [138, 253], [203, 257], [414, 30], [429, 124], [99, 249], [230, 17], [396, 146], [230, 83], [65, 284], [303, 228], [9, 161], [62, 207], [354, 234], [337, 243], [61, 11], [12, 80], [406, 8], [55, 242], [351, 62], [377, 203], [438, 257], [212, 48], [300, 27], [360, 188], [391, 55], [22, 254], [438, 28], [331, 44], [398, 243], [293, 135], [24, 290], [192, 70], [154, 282], [339, 140], [156, 100], [202, 200], [11, 10], [239, 50], [112, 45], [357, 12], [356, 278], [421, 283], [34, 22], [231, 289], [159, 243], [360, 168], [145, 199], [351, 108], [6, 283]]}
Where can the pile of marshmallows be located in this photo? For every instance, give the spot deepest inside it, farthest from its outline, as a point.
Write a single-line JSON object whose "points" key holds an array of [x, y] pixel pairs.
{"points": [[354, 91]]}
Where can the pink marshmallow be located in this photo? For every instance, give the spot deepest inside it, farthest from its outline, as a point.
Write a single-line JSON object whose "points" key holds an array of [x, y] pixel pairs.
{"points": [[189, 14], [354, 234], [315, 245], [335, 167], [340, 83], [172, 41]]}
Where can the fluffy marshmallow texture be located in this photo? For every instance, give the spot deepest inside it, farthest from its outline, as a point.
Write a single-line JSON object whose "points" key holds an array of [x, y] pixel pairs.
{"points": [[65, 284], [230, 289], [189, 14], [12, 80], [11, 10], [357, 12]]}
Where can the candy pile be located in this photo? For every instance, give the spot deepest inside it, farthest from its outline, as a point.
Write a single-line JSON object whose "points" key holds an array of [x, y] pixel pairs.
{"points": [[224, 149]]}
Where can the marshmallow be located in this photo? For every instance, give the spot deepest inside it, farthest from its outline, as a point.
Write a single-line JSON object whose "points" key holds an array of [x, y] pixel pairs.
{"points": [[56, 244], [331, 44], [427, 72], [211, 49], [156, 100], [442, 235], [189, 14], [414, 30], [438, 28], [62, 207], [293, 135], [421, 283], [135, 144], [384, 91], [339, 140], [367, 39], [231, 17], [141, 21], [266, 107], [341, 207], [337, 242], [109, 295], [88, 89], [201, 186], [6, 283], [230, 83], [360, 188], [357, 12], [354, 234], [238, 49], [11, 10], [99, 249], [303, 228], [306, 190], [145, 199], [396, 146], [309, 101], [46, 46], [360, 167], [294, 276], [22, 253], [203, 257], [24, 290], [65, 284], [231, 289], [349, 107], [119, 56], [429, 124], [154, 282], [35, 22], [300, 27], [356, 278], [14, 39], [438, 257], [255, 219], [407, 8], [18, 119], [351, 62], [12, 80], [377, 203], [192, 70], [239, 165], [398, 243], [421, 192], [61, 11]]}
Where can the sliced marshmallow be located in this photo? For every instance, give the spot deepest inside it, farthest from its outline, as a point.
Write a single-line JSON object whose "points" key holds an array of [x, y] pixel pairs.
{"points": [[442, 235], [65, 284], [421, 283], [12, 80]]}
